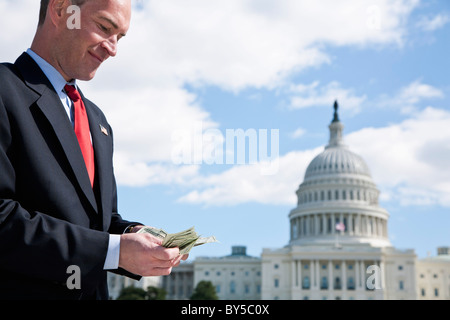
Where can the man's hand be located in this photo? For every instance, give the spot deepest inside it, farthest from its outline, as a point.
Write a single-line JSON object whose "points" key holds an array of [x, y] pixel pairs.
{"points": [[142, 254]]}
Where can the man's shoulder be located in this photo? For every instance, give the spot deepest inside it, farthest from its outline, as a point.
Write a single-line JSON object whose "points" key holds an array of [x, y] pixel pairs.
{"points": [[7, 70], [9, 78]]}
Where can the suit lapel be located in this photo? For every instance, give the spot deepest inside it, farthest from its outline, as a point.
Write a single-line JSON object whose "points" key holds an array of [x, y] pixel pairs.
{"points": [[102, 152], [50, 105]]}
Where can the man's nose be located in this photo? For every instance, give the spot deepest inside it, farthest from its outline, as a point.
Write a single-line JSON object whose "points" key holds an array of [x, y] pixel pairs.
{"points": [[110, 45]]}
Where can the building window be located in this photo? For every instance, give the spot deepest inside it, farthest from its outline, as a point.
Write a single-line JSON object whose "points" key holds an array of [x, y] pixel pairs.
{"points": [[422, 292], [276, 283], [436, 292], [275, 266], [401, 285], [337, 283], [232, 287], [324, 283], [337, 195], [305, 283], [206, 273], [329, 194], [400, 267], [351, 283]]}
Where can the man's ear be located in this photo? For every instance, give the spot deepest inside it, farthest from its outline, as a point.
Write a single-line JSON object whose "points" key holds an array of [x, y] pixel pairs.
{"points": [[57, 11]]}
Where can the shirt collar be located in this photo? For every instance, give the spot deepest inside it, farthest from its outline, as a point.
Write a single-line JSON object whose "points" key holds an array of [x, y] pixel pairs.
{"points": [[56, 79]]}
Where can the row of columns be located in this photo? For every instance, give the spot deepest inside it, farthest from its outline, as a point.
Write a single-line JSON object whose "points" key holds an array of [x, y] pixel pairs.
{"points": [[324, 224], [337, 195], [362, 270]]}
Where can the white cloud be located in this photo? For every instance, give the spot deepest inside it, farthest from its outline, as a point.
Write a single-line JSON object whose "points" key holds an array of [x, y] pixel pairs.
{"points": [[298, 133], [433, 23], [245, 183], [416, 91], [233, 44], [408, 161], [409, 97], [305, 96]]}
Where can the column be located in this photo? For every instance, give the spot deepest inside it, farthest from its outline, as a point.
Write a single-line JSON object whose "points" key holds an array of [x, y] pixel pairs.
{"points": [[362, 275], [357, 228], [316, 224], [344, 276], [380, 227], [330, 275], [333, 223], [306, 225], [299, 273], [300, 229], [294, 274], [324, 224], [357, 277], [317, 274], [350, 224], [313, 277]]}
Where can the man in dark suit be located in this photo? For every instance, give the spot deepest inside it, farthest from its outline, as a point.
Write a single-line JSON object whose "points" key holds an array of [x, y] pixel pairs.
{"points": [[55, 213]]}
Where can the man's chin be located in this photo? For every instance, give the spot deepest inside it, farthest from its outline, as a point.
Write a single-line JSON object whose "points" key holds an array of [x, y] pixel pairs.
{"points": [[87, 77]]}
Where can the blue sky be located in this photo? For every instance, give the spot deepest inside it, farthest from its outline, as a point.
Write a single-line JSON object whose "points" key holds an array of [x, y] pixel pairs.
{"points": [[273, 65]]}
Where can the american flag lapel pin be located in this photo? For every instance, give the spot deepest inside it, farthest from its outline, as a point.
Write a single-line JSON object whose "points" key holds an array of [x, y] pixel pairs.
{"points": [[103, 130]]}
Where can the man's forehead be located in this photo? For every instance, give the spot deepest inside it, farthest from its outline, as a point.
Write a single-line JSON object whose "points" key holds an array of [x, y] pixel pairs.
{"points": [[115, 12]]}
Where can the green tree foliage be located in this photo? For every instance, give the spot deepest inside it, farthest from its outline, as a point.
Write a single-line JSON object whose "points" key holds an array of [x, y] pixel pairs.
{"points": [[154, 293], [204, 291], [133, 293]]}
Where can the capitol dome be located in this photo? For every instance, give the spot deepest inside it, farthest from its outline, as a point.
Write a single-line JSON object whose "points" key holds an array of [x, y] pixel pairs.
{"points": [[338, 198], [336, 160]]}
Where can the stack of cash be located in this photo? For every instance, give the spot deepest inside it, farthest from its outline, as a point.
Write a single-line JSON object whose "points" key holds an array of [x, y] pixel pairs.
{"points": [[185, 240]]}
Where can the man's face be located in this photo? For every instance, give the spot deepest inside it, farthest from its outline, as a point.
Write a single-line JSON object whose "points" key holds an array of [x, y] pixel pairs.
{"points": [[80, 52]]}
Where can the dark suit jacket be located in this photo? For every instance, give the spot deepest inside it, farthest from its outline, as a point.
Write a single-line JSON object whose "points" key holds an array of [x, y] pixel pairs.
{"points": [[50, 217]]}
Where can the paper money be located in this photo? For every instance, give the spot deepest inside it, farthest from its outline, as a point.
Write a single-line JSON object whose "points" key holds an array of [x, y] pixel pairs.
{"points": [[185, 240]]}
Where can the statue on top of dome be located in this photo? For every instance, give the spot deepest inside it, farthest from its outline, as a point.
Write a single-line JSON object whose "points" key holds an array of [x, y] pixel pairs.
{"points": [[336, 117]]}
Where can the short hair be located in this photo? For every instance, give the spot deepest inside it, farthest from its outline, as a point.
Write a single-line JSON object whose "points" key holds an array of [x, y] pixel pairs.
{"points": [[44, 6]]}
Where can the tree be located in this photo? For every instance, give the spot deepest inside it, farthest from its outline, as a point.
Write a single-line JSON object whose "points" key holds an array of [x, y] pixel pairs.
{"points": [[204, 291], [154, 293], [132, 293]]}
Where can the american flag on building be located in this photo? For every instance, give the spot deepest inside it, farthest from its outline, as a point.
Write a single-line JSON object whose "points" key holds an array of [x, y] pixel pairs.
{"points": [[340, 226]]}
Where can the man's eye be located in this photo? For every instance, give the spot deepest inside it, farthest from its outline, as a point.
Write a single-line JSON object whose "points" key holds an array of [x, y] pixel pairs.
{"points": [[103, 28]]}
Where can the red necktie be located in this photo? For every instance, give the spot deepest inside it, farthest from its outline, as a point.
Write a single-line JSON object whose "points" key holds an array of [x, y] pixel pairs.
{"points": [[82, 130]]}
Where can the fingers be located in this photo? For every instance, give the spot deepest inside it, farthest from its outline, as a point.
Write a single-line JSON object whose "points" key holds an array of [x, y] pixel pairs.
{"points": [[143, 254]]}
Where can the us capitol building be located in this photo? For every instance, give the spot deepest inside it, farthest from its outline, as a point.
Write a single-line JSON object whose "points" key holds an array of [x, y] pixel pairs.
{"points": [[338, 248]]}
